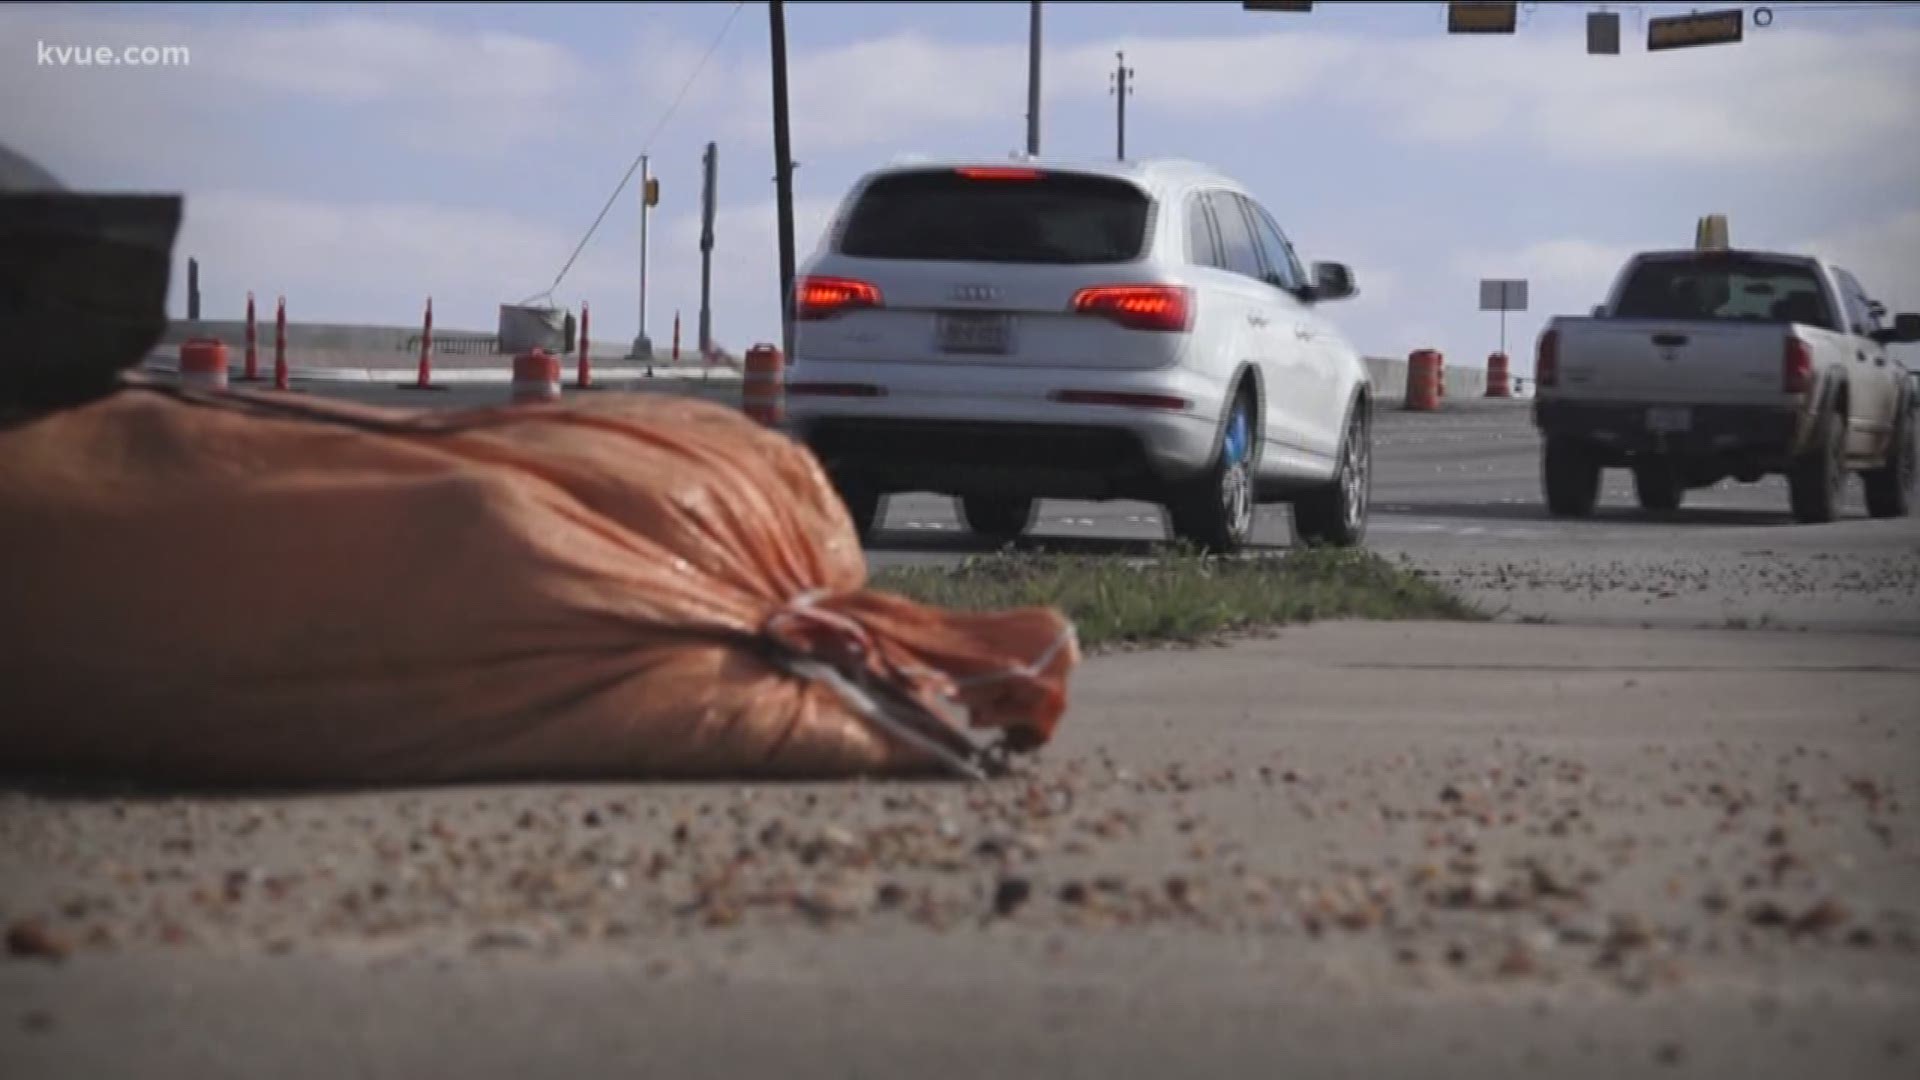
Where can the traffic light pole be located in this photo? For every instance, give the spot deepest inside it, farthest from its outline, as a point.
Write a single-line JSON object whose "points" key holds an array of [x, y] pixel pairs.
{"points": [[642, 344]]}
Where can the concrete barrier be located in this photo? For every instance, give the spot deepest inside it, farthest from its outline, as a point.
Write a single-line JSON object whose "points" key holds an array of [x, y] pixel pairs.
{"points": [[318, 344], [337, 338], [1389, 378]]}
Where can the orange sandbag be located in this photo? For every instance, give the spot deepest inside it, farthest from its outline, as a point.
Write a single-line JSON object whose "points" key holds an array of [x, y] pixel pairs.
{"points": [[247, 588]]}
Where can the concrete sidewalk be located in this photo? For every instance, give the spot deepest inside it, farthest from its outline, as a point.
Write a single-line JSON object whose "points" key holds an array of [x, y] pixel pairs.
{"points": [[1351, 849]]}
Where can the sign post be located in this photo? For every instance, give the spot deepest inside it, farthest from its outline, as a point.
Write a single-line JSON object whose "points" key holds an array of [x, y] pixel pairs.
{"points": [[1503, 295]]}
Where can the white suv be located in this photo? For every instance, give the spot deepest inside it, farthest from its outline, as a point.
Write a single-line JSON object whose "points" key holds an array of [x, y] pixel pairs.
{"points": [[1005, 333]]}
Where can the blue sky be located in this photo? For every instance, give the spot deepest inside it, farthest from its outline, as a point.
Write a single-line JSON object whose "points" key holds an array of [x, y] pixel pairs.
{"points": [[360, 157]]}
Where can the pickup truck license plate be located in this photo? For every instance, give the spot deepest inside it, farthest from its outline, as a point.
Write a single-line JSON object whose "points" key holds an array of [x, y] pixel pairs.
{"points": [[1669, 419], [975, 332]]}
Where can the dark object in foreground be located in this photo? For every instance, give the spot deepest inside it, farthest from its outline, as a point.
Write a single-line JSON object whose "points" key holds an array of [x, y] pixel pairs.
{"points": [[83, 287]]}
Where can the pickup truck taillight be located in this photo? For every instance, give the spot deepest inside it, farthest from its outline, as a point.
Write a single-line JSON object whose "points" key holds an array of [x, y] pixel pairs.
{"points": [[1546, 366], [1796, 374]]}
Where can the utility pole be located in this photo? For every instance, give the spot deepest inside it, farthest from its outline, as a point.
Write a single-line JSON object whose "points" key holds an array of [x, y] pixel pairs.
{"points": [[1122, 86], [783, 170], [643, 345], [1033, 78], [710, 167]]}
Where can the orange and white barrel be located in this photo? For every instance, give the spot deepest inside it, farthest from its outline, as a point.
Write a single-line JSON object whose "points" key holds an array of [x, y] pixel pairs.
{"points": [[763, 385], [536, 377], [1499, 383], [1424, 385], [203, 364]]}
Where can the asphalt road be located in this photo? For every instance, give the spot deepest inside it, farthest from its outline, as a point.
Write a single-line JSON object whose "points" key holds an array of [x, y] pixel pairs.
{"points": [[1363, 850], [1631, 848], [1457, 493]]}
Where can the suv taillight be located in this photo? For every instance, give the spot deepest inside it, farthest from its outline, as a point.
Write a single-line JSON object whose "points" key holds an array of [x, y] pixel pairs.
{"points": [[824, 297], [1138, 307], [1546, 366], [1796, 373]]}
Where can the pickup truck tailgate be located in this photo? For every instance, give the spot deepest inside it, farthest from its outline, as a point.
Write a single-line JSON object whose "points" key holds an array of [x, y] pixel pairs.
{"points": [[1679, 362]]}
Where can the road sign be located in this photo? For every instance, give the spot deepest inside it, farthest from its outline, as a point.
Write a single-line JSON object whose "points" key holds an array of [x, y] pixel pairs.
{"points": [[1503, 295], [1710, 233], [1701, 28], [1603, 33], [1482, 17]]}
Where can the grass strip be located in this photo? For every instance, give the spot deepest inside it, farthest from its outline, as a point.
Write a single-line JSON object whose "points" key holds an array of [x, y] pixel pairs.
{"points": [[1182, 597]]}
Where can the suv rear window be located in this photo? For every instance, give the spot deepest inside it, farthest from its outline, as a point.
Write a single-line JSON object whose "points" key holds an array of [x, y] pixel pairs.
{"points": [[948, 217], [1727, 289]]}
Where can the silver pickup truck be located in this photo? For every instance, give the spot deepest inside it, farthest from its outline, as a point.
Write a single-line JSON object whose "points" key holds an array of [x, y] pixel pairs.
{"points": [[1705, 365]]}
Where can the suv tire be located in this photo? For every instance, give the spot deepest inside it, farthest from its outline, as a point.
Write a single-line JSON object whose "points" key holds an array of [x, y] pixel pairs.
{"points": [[1336, 516], [1216, 510]]}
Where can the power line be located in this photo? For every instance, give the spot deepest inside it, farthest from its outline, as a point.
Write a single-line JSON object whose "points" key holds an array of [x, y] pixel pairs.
{"points": [[645, 148]]}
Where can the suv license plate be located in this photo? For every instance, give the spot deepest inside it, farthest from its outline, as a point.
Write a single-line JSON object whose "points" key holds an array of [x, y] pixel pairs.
{"points": [[976, 333], [1669, 419]]}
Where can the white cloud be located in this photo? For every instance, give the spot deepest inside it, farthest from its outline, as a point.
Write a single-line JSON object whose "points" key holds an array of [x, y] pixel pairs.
{"points": [[1198, 74], [1884, 255], [882, 90], [909, 87], [377, 262], [1567, 265], [1789, 97], [752, 231], [467, 92]]}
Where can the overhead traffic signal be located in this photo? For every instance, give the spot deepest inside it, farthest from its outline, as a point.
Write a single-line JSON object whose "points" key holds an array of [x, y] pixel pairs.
{"points": [[1700, 28], [1603, 33], [1480, 17]]}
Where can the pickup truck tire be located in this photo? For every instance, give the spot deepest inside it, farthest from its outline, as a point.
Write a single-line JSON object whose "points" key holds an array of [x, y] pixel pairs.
{"points": [[1818, 479], [1658, 485], [864, 505], [1890, 487], [1571, 474], [998, 518]]}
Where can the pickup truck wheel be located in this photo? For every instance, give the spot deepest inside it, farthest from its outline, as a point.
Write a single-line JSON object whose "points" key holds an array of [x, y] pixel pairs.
{"points": [[1818, 479], [1336, 516], [1890, 487], [998, 518], [864, 505], [1216, 510], [1572, 477], [1658, 485]]}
